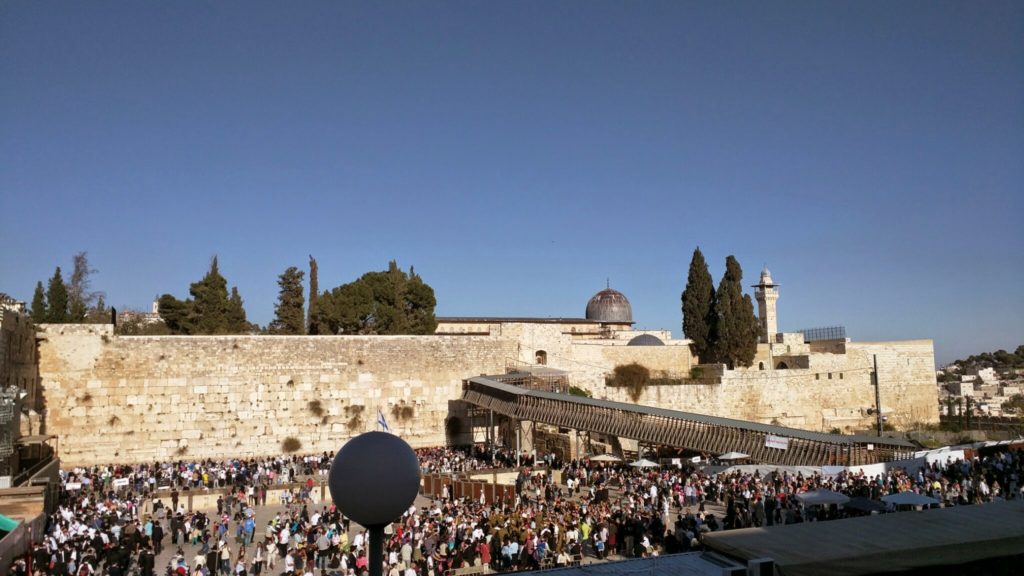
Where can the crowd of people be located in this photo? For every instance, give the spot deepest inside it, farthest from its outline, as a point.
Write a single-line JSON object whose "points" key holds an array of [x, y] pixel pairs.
{"points": [[116, 520]]}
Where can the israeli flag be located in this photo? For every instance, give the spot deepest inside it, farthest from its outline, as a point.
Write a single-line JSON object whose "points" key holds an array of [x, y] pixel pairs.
{"points": [[382, 422]]}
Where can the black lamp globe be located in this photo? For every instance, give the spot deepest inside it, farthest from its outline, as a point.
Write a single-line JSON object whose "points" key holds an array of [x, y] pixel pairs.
{"points": [[374, 478]]}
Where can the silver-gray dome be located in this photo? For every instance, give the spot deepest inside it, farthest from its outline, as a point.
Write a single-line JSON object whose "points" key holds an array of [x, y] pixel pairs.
{"points": [[610, 306], [646, 340]]}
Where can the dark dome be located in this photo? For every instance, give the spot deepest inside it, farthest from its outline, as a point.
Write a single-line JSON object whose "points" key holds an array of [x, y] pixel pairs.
{"points": [[646, 340], [610, 306]]}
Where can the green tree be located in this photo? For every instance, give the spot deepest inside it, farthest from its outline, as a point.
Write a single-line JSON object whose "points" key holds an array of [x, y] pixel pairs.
{"points": [[209, 311], [236, 321], [39, 313], [289, 316], [698, 299], [57, 299], [734, 330], [176, 314], [314, 293], [388, 302], [1015, 404]]}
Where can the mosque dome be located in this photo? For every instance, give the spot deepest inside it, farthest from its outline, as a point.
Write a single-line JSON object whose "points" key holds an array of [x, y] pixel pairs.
{"points": [[766, 277], [610, 306], [646, 340]]}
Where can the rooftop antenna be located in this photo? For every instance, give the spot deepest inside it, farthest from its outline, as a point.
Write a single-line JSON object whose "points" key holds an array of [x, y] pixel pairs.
{"points": [[607, 282]]}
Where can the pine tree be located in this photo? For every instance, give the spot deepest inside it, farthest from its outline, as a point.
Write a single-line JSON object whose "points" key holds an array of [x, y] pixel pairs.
{"points": [[314, 286], [289, 315], [388, 302], [235, 314], [734, 329], [209, 313], [56, 299], [39, 313], [176, 314], [698, 299]]}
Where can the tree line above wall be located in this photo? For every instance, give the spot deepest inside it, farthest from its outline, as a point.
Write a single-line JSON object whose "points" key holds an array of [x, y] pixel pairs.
{"points": [[391, 301]]}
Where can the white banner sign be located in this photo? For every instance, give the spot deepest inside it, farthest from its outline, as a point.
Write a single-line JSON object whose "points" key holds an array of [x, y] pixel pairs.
{"points": [[695, 459], [73, 486], [777, 442], [120, 482]]}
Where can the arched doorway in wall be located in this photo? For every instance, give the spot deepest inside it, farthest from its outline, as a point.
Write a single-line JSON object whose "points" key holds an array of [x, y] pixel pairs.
{"points": [[541, 356], [781, 366]]}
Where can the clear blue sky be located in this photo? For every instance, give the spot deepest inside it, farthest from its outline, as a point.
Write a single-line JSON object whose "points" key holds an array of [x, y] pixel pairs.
{"points": [[520, 153]]}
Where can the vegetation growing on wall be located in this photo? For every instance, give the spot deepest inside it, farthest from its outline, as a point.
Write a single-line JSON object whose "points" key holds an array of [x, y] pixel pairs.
{"points": [[402, 411], [355, 417], [290, 445], [634, 377], [577, 391]]}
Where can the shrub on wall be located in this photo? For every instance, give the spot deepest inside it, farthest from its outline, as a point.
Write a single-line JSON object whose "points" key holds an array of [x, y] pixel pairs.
{"points": [[633, 377], [316, 408], [402, 411], [290, 445], [577, 391]]}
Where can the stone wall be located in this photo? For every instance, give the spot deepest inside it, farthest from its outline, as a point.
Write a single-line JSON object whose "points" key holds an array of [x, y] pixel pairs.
{"points": [[144, 398], [163, 397], [836, 390], [18, 354], [18, 369]]}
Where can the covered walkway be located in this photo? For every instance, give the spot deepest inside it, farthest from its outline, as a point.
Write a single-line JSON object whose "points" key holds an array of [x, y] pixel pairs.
{"points": [[709, 434]]}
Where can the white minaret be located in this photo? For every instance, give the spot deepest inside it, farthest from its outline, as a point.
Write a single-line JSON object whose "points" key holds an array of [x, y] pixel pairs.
{"points": [[767, 292]]}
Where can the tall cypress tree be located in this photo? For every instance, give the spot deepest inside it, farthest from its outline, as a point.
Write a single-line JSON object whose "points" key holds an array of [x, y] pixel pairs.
{"points": [[209, 311], [39, 304], [314, 287], [698, 298], [57, 299], [734, 330], [235, 319], [289, 315]]}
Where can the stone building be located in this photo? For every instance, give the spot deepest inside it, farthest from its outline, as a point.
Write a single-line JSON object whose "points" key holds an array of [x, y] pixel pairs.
{"points": [[137, 398]]}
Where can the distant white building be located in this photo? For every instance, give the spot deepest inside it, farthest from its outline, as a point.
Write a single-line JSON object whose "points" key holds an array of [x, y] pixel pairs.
{"points": [[143, 318], [987, 375]]}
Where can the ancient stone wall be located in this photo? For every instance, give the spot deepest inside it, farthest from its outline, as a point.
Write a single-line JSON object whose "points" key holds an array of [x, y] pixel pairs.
{"points": [[18, 354], [144, 398], [836, 390], [163, 397]]}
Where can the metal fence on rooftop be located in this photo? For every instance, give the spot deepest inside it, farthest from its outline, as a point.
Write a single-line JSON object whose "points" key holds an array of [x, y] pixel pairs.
{"points": [[825, 333]]}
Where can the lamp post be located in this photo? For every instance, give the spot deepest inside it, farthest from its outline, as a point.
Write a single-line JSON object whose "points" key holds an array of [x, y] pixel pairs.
{"points": [[373, 480]]}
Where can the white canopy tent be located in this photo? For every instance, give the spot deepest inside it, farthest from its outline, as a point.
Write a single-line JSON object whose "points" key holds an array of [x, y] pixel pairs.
{"points": [[644, 463]]}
